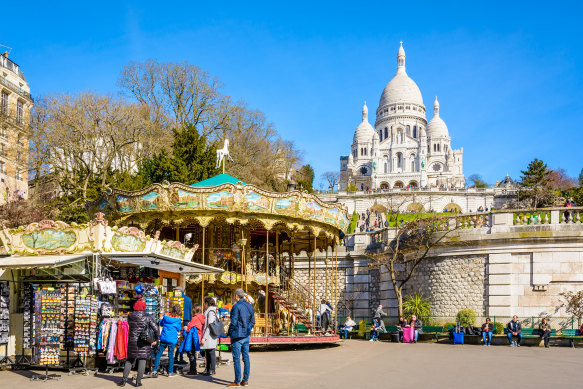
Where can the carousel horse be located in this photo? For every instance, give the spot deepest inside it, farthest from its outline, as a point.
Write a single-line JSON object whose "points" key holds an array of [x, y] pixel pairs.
{"points": [[222, 154]]}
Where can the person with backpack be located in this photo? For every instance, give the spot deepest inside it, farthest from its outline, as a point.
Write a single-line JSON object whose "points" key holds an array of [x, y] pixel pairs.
{"points": [[487, 329], [141, 327], [171, 324], [208, 342], [242, 322], [198, 323]]}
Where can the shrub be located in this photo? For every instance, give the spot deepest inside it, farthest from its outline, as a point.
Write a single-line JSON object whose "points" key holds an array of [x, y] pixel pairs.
{"points": [[467, 317], [499, 328], [418, 305], [448, 324]]}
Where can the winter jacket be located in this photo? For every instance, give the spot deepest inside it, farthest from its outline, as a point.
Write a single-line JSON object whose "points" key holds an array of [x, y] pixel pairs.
{"points": [[518, 326], [418, 325], [187, 309], [379, 313], [170, 328], [138, 320], [544, 327], [210, 316], [198, 322], [242, 320], [189, 341], [487, 327]]}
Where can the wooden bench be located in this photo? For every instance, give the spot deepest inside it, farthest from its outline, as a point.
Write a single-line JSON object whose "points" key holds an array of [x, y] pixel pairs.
{"points": [[261, 324], [571, 334]]}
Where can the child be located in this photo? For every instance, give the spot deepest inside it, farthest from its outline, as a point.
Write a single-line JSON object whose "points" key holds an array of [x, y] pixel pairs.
{"points": [[198, 322]]}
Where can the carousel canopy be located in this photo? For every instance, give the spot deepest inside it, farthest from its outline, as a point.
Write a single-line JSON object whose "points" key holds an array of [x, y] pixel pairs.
{"points": [[217, 180], [55, 243], [226, 198]]}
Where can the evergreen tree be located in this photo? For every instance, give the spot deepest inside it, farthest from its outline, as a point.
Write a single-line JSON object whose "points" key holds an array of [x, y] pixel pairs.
{"points": [[192, 160], [581, 178], [306, 178], [535, 184]]}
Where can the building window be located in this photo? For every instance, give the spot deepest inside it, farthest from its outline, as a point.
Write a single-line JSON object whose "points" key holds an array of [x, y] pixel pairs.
{"points": [[415, 132], [19, 139], [3, 132], [2, 149], [18, 175], [399, 160], [381, 135], [408, 131], [2, 167], [4, 103], [386, 132], [412, 166], [386, 167], [19, 112]]}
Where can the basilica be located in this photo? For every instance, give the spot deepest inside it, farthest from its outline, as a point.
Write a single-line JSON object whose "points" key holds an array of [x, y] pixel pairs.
{"points": [[402, 150]]}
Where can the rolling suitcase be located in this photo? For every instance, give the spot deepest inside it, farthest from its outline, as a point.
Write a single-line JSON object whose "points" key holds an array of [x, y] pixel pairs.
{"points": [[408, 334], [458, 338]]}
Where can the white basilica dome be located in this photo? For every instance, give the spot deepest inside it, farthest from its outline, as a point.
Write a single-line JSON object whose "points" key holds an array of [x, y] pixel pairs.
{"points": [[436, 126], [364, 132], [401, 89]]}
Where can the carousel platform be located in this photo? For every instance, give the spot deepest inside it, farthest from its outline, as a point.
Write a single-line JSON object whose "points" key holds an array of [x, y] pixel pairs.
{"points": [[290, 340]]}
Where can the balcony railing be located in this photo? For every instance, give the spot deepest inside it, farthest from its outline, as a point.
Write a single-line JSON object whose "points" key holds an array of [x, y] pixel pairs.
{"points": [[15, 88]]}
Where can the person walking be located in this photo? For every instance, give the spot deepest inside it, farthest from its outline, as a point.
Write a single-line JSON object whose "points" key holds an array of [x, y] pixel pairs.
{"points": [[242, 322], [545, 331], [171, 324], [208, 342], [324, 312], [379, 313], [138, 351]]}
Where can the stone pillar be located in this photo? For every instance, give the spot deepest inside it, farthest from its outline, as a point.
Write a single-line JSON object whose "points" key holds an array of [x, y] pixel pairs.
{"points": [[500, 285]]}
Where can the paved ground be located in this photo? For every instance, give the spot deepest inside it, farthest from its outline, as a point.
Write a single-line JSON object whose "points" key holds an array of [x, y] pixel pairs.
{"points": [[359, 364]]}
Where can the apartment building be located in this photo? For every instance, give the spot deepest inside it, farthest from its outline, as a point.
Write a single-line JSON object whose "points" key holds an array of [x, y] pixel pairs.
{"points": [[15, 106]]}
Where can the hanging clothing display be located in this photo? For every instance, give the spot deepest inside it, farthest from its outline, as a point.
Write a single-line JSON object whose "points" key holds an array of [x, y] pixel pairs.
{"points": [[111, 343], [121, 341]]}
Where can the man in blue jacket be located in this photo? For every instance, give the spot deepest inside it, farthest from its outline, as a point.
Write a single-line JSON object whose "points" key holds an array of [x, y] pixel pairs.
{"points": [[242, 322]]}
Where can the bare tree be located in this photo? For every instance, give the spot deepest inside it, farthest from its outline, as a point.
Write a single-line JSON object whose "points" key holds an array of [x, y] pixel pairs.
{"points": [[83, 139], [182, 95], [413, 239], [332, 178]]}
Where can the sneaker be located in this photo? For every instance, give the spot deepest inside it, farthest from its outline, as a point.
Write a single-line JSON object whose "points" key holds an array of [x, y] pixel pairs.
{"points": [[172, 375], [372, 340], [517, 344], [511, 344], [244, 383]]}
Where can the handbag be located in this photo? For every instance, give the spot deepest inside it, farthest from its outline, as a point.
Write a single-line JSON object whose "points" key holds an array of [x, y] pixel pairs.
{"points": [[216, 327], [147, 335]]}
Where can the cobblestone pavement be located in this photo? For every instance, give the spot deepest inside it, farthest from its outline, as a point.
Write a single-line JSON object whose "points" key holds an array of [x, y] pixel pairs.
{"points": [[360, 364]]}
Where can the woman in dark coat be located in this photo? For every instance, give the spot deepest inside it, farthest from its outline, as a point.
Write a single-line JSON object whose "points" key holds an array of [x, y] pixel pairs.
{"points": [[138, 351]]}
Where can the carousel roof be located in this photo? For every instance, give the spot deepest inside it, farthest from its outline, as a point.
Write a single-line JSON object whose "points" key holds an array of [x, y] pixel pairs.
{"points": [[217, 180], [222, 197]]}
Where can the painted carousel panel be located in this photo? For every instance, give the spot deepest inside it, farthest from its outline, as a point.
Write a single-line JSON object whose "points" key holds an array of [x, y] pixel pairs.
{"points": [[220, 200], [49, 239]]}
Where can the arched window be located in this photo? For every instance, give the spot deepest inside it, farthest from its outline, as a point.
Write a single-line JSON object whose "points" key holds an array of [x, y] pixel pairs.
{"points": [[381, 135], [438, 147], [386, 132], [386, 167], [408, 130], [399, 160], [412, 166], [434, 147], [415, 132]]}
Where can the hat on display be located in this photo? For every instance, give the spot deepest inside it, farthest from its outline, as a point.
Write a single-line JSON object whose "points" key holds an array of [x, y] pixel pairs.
{"points": [[140, 306], [139, 289]]}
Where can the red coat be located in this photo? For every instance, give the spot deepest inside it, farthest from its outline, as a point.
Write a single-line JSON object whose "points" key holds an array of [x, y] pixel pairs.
{"points": [[198, 322]]}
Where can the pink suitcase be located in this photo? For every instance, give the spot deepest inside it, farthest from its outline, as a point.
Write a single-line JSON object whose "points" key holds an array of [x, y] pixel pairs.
{"points": [[408, 334]]}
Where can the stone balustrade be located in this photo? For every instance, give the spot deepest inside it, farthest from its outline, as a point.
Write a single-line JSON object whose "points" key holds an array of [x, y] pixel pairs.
{"points": [[485, 223]]}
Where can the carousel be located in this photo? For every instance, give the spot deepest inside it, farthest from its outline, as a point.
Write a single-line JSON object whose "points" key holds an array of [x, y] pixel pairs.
{"points": [[252, 234]]}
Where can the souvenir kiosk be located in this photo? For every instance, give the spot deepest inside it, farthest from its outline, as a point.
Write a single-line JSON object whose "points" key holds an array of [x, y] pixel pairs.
{"points": [[65, 287], [251, 233]]}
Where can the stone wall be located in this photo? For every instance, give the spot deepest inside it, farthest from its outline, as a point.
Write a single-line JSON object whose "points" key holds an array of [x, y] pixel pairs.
{"points": [[452, 283], [302, 276]]}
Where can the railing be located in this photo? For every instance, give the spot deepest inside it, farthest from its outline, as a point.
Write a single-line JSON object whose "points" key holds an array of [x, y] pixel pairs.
{"points": [[501, 191], [564, 215], [15, 88], [296, 294]]}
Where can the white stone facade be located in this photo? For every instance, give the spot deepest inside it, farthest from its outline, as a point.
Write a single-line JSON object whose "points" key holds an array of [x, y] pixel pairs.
{"points": [[403, 150]]}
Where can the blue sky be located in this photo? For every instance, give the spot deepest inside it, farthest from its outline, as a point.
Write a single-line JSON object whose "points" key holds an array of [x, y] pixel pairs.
{"points": [[508, 75]]}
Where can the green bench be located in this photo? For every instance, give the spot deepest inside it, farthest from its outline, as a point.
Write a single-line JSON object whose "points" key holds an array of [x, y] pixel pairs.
{"points": [[571, 334], [301, 329], [433, 331], [532, 333]]}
